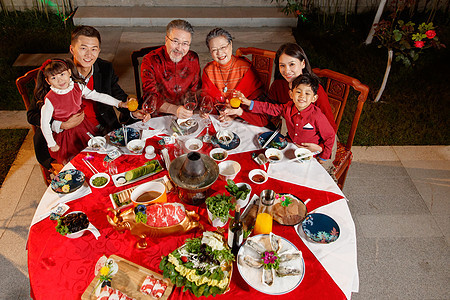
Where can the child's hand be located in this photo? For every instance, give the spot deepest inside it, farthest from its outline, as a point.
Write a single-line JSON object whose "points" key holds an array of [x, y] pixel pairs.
{"points": [[311, 147], [240, 95], [54, 148]]}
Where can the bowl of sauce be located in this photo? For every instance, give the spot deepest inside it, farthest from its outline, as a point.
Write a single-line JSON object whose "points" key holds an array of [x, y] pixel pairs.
{"points": [[258, 176], [274, 155], [150, 192]]}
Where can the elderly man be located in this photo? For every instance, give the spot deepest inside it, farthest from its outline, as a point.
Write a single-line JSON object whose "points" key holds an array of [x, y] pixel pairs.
{"points": [[173, 70], [99, 75]]}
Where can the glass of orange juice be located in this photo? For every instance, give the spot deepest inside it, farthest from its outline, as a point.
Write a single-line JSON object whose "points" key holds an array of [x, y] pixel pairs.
{"points": [[132, 103], [235, 102], [263, 224]]}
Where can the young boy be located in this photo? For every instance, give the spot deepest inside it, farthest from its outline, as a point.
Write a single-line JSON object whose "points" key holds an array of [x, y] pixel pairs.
{"points": [[304, 121]]}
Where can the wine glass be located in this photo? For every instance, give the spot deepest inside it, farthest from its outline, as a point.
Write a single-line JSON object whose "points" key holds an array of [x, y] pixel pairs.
{"points": [[190, 101], [221, 106], [206, 107], [149, 105]]}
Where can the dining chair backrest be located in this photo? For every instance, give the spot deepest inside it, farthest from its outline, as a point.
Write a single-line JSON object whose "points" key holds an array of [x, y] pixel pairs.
{"points": [[262, 61], [136, 59], [25, 84], [338, 88]]}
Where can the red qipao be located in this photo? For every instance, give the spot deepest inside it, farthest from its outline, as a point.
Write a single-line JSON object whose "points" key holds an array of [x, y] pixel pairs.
{"points": [[279, 92], [169, 80], [250, 85]]}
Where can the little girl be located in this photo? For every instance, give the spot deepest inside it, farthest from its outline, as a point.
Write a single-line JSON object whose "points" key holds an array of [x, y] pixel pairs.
{"points": [[64, 90]]}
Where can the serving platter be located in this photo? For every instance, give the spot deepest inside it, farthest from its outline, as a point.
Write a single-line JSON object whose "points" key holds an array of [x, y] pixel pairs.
{"points": [[67, 181], [235, 142], [279, 141], [281, 285], [119, 179], [128, 280], [292, 213]]}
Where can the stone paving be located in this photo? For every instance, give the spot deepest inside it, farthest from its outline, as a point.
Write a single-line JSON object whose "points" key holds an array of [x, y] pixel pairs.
{"points": [[398, 197]]}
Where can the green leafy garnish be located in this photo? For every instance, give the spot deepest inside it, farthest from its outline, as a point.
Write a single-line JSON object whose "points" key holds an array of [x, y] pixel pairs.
{"points": [[62, 229], [235, 191], [141, 217], [220, 206]]}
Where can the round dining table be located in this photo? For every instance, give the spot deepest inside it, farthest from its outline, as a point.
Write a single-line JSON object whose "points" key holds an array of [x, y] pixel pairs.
{"points": [[62, 268]]}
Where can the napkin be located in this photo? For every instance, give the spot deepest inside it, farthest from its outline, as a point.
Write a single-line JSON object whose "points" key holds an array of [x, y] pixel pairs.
{"points": [[107, 147], [51, 199], [147, 133]]}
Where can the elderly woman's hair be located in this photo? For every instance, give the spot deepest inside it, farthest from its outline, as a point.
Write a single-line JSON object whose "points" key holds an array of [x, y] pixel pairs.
{"points": [[216, 32], [180, 24], [85, 30], [295, 51]]}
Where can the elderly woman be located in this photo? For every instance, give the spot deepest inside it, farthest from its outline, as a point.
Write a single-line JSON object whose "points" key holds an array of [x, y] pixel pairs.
{"points": [[227, 73]]}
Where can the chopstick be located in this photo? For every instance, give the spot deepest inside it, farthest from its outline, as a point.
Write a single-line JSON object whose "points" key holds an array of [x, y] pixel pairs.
{"points": [[124, 134], [90, 166], [274, 134]]}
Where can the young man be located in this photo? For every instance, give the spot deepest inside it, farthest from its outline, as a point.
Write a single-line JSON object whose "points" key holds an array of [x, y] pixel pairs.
{"points": [[172, 70], [99, 75]]}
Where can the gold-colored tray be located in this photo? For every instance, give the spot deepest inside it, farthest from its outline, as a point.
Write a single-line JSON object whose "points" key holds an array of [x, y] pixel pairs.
{"points": [[126, 220], [128, 280]]}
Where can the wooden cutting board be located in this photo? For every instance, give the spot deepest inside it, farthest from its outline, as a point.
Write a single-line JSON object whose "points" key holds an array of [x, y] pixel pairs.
{"points": [[128, 280]]}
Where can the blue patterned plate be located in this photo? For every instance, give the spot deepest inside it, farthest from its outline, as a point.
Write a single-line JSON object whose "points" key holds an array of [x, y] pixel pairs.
{"points": [[279, 141], [67, 181], [116, 136], [321, 228], [233, 144]]}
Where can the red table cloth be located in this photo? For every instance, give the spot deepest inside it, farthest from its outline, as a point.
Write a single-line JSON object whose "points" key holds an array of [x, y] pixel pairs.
{"points": [[62, 268]]}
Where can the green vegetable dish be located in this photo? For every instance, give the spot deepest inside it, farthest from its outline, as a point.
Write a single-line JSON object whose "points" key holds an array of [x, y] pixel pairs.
{"points": [[235, 191], [99, 181], [220, 206], [152, 166], [202, 265], [218, 156]]}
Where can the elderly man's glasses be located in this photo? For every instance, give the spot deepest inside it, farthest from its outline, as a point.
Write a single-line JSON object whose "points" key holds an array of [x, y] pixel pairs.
{"points": [[178, 43], [221, 49]]}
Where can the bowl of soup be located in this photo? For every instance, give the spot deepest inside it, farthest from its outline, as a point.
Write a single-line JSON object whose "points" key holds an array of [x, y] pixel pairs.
{"points": [[150, 192]]}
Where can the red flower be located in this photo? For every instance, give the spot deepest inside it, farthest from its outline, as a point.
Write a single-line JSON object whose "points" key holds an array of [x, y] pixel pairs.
{"points": [[430, 34], [419, 44], [298, 12]]}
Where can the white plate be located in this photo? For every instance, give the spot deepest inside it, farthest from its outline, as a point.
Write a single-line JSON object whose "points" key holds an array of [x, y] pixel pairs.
{"points": [[281, 285]]}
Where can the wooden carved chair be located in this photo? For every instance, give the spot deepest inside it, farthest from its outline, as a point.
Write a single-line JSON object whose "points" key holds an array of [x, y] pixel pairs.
{"points": [[25, 84], [338, 87], [262, 61], [136, 61]]}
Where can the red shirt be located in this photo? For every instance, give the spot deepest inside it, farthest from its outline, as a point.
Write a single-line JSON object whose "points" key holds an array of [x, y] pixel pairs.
{"points": [[279, 91], [169, 80], [307, 126]]}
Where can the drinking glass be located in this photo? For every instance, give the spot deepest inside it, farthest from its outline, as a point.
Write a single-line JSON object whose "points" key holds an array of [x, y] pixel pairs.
{"points": [[221, 105], [190, 101], [132, 102], [149, 105], [206, 107]]}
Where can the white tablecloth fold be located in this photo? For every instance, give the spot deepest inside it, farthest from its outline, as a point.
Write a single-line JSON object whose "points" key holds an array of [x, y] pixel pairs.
{"points": [[50, 199], [339, 258]]}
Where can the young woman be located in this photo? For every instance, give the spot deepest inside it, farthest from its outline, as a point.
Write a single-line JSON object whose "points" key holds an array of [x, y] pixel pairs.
{"points": [[63, 91]]}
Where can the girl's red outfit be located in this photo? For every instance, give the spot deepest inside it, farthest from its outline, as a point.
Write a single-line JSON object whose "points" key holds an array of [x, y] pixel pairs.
{"points": [[70, 141], [250, 85], [279, 91]]}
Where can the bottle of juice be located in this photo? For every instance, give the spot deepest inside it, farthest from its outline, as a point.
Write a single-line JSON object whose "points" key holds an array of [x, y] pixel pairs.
{"points": [[264, 218]]}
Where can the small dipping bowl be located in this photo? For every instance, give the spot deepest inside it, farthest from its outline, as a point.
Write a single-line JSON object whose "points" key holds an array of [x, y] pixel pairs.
{"points": [[150, 192], [104, 175], [274, 155], [97, 143], [136, 146], [258, 176], [228, 169], [302, 152], [217, 151], [224, 137], [193, 144]]}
